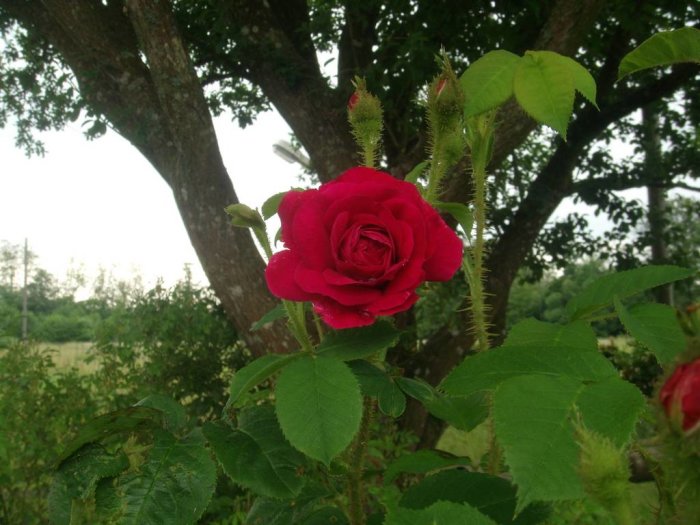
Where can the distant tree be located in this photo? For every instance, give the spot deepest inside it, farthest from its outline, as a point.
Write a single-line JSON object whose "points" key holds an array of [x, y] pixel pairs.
{"points": [[156, 72]]}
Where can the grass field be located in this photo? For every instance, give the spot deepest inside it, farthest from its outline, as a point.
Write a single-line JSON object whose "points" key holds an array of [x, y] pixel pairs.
{"points": [[71, 355]]}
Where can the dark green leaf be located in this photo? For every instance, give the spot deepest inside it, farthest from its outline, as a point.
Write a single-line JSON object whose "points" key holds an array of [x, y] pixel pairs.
{"points": [[372, 379], [278, 312], [656, 327], [488, 82], [174, 412], [460, 212], [256, 454], [601, 292], [391, 400], [662, 49], [319, 405], [421, 462], [172, 486], [77, 478], [132, 419], [416, 172], [256, 372], [357, 343], [440, 513], [326, 516], [490, 495]]}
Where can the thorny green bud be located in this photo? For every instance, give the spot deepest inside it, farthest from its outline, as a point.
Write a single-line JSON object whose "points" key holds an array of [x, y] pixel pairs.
{"points": [[604, 470], [365, 117], [244, 217], [445, 100]]}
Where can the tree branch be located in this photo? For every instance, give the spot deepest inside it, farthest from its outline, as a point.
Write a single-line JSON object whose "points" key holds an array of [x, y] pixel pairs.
{"points": [[356, 41]]}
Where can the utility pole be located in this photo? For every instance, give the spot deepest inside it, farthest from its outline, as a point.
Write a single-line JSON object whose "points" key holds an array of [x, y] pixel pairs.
{"points": [[25, 313]]}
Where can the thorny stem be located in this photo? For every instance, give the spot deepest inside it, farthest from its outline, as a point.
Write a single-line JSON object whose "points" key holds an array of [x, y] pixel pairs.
{"points": [[356, 492]]}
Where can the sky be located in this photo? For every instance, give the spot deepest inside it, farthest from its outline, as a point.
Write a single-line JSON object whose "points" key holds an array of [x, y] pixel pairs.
{"points": [[101, 204]]}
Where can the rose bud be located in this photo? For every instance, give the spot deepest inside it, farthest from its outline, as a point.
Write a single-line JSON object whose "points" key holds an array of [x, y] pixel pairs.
{"points": [[680, 397], [359, 246]]}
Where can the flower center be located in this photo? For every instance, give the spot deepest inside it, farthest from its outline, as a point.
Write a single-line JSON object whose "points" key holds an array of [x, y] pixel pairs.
{"points": [[369, 249]]}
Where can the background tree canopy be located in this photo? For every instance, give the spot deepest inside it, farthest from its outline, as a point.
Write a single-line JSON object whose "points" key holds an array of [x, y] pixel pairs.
{"points": [[156, 71]]}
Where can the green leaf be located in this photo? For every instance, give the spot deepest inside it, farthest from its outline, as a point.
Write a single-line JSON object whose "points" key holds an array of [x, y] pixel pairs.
{"points": [[462, 412], [601, 292], [244, 216], [372, 379], [174, 412], [391, 400], [542, 456], [319, 406], [460, 212], [440, 513], [488, 82], [77, 478], [326, 516], [268, 511], [533, 422], [533, 348], [256, 372], [416, 172], [357, 343], [662, 49], [132, 419], [491, 495], [278, 312], [655, 326], [272, 204], [256, 454], [583, 81], [172, 486], [420, 462], [544, 88]]}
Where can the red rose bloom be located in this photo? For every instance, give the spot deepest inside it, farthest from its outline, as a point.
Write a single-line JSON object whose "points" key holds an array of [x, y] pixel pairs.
{"points": [[359, 246], [680, 396]]}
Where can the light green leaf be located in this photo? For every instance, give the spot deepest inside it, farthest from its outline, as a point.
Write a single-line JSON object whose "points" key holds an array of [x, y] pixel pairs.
{"points": [[256, 454], [655, 326], [77, 478], [611, 408], [544, 88], [319, 406], [583, 81], [244, 216], [662, 49], [416, 172], [172, 486], [391, 400], [491, 495], [256, 372], [440, 513], [533, 348], [488, 82], [272, 204], [601, 292], [357, 343], [533, 418], [278, 312], [460, 212], [420, 462]]}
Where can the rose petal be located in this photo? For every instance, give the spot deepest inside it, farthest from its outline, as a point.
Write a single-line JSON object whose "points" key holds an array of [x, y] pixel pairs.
{"points": [[447, 257], [392, 303], [339, 317], [280, 277], [311, 239], [313, 282]]}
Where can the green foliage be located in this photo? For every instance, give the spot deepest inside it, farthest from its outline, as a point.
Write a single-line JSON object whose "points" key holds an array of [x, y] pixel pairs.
{"points": [[255, 373], [359, 343], [440, 513], [256, 454], [319, 406], [662, 49], [488, 82]]}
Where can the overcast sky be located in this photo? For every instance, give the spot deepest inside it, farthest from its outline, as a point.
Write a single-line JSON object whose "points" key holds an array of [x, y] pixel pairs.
{"points": [[100, 203]]}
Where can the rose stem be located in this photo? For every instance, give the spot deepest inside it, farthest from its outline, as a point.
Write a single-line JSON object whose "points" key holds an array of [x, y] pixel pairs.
{"points": [[356, 492]]}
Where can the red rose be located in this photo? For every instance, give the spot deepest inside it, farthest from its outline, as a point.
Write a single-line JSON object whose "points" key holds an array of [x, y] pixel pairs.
{"points": [[359, 246], [680, 396]]}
